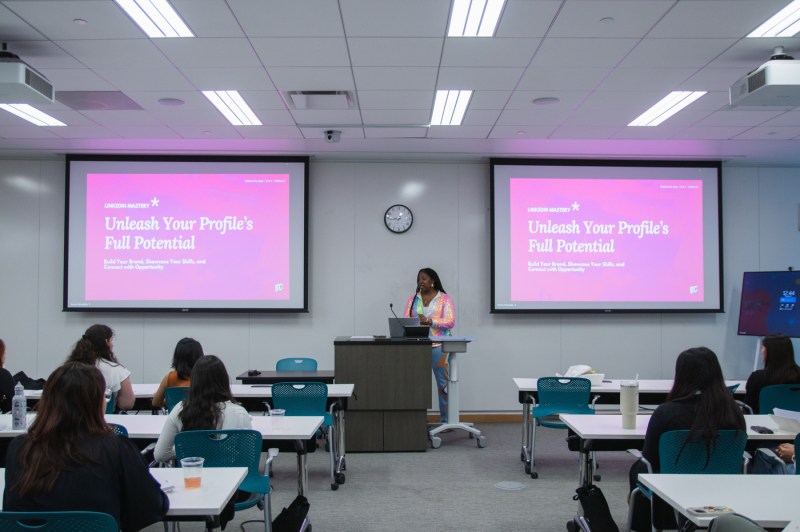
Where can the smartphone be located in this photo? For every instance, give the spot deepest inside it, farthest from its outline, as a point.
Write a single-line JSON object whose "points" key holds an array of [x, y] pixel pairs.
{"points": [[709, 510], [762, 430]]}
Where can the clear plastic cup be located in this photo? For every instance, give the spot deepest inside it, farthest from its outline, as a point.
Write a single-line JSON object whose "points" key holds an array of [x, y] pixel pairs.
{"points": [[277, 415], [192, 471]]}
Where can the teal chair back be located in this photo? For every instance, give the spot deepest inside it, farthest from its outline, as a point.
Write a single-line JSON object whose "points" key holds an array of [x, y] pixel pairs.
{"points": [[119, 430], [174, 395], [296, 364], [301, 398], [560, 395], [57, 522], [733, 387], [786, 396], [226, 448], [723, 457]]}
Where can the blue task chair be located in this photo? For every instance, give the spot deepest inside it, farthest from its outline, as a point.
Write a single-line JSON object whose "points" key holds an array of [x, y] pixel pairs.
{"points": [[786, 396], [232, 448], [557, 395], [296, 364], [174, 395], [725, 456], [57, 522], [310, 399], [111, 403]]}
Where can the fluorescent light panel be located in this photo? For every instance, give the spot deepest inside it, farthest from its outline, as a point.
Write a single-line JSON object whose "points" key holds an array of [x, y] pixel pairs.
{"points": [[449, 107], [474, 18], [233, 106], [31, 114], [668, 106], [157, 18], [784, 23]]}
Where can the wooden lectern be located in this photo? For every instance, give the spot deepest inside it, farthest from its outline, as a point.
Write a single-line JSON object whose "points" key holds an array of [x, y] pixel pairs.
{"points": [[389, 407]]}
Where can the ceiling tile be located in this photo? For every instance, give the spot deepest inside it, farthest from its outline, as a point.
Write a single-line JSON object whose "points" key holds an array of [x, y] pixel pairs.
{"points": [[389, 18], [491, 79], [527, 18], [205, 53], [207, 79], [647, 79], [165, 78], [348, 133], [481, 117], [676, 52], [584, 132], [271, 132], [397, 78], [738, 118], [769, 133], [389, 99], [312, 79], [703, 18], [394, 132], [568, 100], [304, 117], [396, 118], [489, 99], [122, 118], [608, 19], [86, 132], [576, 52], [302, 52], [709, 133], [562, 78], [74, 79], [497, 52], [403, 52], [55, 19], [459, 132], [278, 18], [515, 132], [546, 116], [208, 18], [214, 132], [145, 132], [107, 53]]}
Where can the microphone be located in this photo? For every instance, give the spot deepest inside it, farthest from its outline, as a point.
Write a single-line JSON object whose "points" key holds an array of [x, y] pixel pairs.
{"points": [[391, 307]]}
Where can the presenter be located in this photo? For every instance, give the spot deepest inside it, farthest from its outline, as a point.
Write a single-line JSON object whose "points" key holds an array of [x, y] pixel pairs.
{"points": [[434, 308]]}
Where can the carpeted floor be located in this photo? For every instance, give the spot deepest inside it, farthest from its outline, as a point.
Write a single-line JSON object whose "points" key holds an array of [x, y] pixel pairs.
{"points": [[448, 489]]}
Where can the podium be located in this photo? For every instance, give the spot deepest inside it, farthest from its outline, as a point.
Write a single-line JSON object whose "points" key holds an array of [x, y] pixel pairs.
{"points": [[454, 345], [389, 407]]}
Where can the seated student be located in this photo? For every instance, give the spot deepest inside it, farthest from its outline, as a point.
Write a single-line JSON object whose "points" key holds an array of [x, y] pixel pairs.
{"points": [[187, 352], [6, 381], [699, 402], [96, 347], [70, 459], [780, 367], [209, 406]]}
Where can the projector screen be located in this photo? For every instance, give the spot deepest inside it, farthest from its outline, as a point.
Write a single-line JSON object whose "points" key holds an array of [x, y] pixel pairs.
{"points": [[769, 304], [605, 236], [186, 234]]}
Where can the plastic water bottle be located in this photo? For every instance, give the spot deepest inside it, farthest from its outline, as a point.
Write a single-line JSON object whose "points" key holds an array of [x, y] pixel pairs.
{"points": [[19, 409]]}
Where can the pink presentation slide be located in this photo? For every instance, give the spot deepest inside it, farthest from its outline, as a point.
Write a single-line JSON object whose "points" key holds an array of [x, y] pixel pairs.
{"points": [[606, 240], [187, 236]]}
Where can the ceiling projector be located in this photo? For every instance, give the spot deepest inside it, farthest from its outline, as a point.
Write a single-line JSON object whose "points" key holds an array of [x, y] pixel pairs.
{"points": [[776, 83], [19, 83]]}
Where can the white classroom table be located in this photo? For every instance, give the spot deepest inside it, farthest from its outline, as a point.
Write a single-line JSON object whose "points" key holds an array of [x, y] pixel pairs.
{"points": [[651, 391], [148, 427], [769, 500], [217, 487], [607, 428], [339, 393]]}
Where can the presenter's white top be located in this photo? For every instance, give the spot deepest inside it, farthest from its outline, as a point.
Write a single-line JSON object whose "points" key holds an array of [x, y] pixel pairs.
{"points": [[114, 374]]}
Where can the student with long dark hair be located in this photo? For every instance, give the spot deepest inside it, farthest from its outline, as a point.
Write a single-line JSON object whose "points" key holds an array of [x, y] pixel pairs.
{"points": [[698, 402], [434, 308], [96, 348], [70, 459], [187, 352], [780, 367], [6, 381], [209, 406]]}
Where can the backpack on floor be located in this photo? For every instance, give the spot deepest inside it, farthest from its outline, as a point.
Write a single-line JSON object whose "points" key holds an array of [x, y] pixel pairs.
{"points": [[294, 517], [595, 509]]}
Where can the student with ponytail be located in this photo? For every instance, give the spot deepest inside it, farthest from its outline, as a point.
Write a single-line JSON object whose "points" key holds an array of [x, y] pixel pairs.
{"points": [[436, 309]]}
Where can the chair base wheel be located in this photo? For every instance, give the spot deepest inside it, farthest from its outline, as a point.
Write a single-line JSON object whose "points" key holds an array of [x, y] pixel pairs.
{"points": [[597, 478], [334, 486], [481, 441], [534, 475], [339, 478], [436, 442]]}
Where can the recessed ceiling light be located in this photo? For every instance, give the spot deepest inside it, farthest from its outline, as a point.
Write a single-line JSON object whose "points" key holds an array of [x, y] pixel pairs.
{"points": [[31, 114], [666, 107], [449, 107], [80, 22], [607, 20], [474, 18], [784, 23], [548, 100], [171, 102], [157, 18], [233, 106]]}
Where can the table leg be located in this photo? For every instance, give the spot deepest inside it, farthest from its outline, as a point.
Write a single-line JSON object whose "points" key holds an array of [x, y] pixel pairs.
{"points": [[585, 476], [525, 453], [341, 462], [302, 468]]}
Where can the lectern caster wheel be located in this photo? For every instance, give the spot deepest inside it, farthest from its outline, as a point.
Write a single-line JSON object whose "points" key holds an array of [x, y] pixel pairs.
{"points": [[339, 477], [436, 442], [597, 478], [534, 475], [334, 486], [481, 441]]}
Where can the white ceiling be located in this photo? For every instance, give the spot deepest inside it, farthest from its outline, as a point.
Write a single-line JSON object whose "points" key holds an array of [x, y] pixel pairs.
{"points": [[606, 61]]}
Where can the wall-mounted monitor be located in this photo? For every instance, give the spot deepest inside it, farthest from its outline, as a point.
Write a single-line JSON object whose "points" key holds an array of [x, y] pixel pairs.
{"points": [[170, 233], [605, 236], [769, 304]]}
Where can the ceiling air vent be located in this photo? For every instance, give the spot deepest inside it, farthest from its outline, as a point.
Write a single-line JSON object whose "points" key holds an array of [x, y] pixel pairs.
{"points": [[320, 99]]}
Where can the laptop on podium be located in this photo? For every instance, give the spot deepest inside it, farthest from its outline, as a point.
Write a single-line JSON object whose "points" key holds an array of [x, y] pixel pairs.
{"points": [[407, 328]]}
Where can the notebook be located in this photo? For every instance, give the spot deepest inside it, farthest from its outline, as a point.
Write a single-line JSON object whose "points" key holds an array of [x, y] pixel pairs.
{"points": [[407, 328]]}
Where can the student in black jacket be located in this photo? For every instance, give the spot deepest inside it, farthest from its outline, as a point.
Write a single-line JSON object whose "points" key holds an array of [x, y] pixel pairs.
{"points": [[6, 381], [779, 368], [71, 460]]}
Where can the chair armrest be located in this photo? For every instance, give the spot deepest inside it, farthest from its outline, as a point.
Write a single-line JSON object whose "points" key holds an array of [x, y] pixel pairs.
{"points": [[594, 400], [745, 407], [272, 452], [268, 408], [638, 454], [746, 458]]}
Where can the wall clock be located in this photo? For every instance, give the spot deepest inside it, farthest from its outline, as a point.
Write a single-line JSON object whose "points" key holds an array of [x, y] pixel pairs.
{"points": [[398, 218]]}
